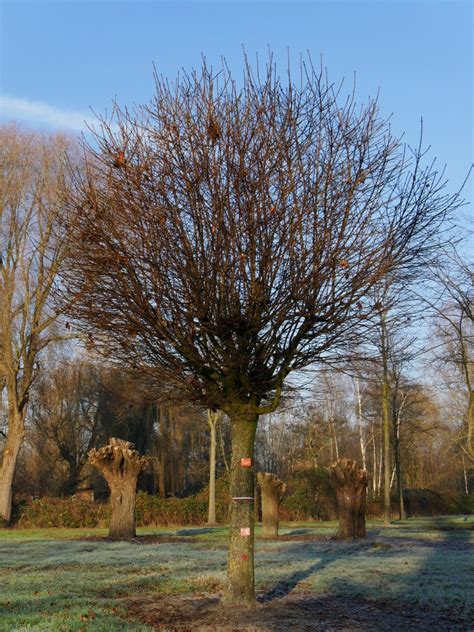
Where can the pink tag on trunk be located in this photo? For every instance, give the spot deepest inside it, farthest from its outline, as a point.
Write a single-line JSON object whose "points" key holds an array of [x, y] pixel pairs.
{"points": [[245, 531]]}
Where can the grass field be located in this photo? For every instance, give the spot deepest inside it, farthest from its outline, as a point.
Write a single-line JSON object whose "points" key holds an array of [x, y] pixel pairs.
{"points": [[72, 579]]}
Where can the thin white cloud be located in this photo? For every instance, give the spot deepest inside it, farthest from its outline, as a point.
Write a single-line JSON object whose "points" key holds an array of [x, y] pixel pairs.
{"points": [[42, 113]]}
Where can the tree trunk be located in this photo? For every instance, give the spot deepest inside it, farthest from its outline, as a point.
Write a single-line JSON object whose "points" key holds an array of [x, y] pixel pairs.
{"points": [[240, 569], [466, 484], [398, 473], [212, 419], [336, 444], [16, 433], [161, 474], [123, 495], [272, 490], [224, 456], [363, 447], [470, 425], [374, 464], [350, 483], [121, 466], [386, 422], [70, 485], [380, 466]]}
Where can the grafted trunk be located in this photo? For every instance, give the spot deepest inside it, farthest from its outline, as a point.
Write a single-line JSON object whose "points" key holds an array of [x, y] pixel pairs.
{"points": [[272, 490], [121, 466], [350, 483], [11, 450], [240, 568]]}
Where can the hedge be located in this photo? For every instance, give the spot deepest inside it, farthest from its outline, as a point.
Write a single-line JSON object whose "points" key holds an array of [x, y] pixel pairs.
{"points": [[61, 512], [309, 497]]}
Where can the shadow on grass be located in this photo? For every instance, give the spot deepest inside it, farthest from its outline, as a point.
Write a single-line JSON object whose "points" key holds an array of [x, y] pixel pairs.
{"points": [[196, 531], [286, 586], [445, 523], [435, 574], [299, 532], [368, 581], [439, 593]]}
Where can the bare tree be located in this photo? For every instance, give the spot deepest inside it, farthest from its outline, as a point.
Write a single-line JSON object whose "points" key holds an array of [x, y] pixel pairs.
{"points": [[65, 424], [31, 252], [454, 316], [394, 348], [225, 237]]}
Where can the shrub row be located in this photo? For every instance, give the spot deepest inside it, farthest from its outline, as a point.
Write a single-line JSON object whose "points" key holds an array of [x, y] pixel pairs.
{"points": [[61, 512], [153, 510], [309, 497], [73, 512]]}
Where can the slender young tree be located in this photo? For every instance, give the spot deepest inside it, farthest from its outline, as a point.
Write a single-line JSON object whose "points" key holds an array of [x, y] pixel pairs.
{"points": [[31, 252], [396, 347], [360, 422], [226, 235], [213, 418], [454, 318], [385, 400]]}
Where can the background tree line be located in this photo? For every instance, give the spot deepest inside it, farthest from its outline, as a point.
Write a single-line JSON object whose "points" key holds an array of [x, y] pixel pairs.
{"points": [[78, 404], [69, 402]]}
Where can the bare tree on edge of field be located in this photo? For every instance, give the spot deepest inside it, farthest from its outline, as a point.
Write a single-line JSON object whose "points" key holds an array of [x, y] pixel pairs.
{"points": [[31, 252], [454, 318], [224, 237]]}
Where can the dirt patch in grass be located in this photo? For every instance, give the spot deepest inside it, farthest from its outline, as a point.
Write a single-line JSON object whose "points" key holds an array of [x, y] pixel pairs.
{"points": [[297, 611], [139, 539]]}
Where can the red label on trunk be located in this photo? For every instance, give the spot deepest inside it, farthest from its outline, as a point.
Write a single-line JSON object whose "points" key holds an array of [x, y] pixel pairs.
{"points": [[245, 557], [246, 462]]}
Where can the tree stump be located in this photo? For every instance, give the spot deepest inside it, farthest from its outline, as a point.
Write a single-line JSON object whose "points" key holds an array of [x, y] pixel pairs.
{"points": [[121, 465], [272, 491], [350, 483]]}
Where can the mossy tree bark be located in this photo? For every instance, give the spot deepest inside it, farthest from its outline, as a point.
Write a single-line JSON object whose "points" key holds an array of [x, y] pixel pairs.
{"points": [[350, 483], [121, 466], [240, 569], [272, 490]]}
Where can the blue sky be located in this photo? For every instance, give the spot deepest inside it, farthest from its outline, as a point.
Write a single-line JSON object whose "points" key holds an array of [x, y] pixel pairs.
{"points": [[61, 58]]}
